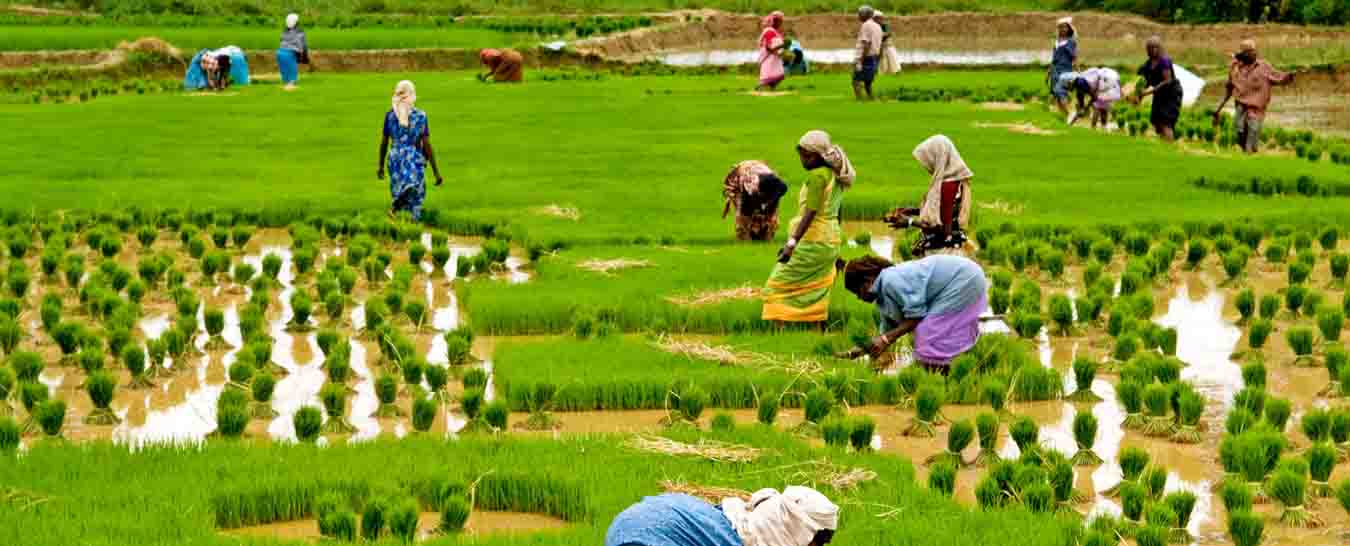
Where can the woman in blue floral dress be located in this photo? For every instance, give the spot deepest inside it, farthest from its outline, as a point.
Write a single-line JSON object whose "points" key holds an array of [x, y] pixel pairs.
{"points": [[407, 128]]}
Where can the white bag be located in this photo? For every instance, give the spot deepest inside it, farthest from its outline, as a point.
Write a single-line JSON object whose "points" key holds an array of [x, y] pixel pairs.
{"points": [[890, 61], [1191, 85]]}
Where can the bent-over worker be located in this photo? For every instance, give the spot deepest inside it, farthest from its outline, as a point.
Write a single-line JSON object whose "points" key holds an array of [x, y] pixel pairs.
{"points": [[939, 299], [504, 66], [945, 212], [753, 190], [799, 516]]}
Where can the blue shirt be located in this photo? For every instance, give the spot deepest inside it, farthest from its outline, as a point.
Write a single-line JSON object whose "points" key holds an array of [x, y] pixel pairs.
{"points": [[672, 520], [1064, 55], [930, 286]]}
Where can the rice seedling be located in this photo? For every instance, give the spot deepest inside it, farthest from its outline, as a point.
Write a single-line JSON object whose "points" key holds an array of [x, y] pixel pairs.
{"points": [[1251, 399], [497, 414], [819, 403], [1159, 515], [455, 513], [1235, 264], [1294, 298], [987, 426], [1270, 306], [1254, 373], [1298, 272], [403, 520], [1343, 494], [307, 422], [1258, 332], [413, 369], [232, 414], [101, 387], [1330, 321], [1085, 435], [423, 414], [133, 356], [1133, 497], [373, 518], [1039, 498], [1235, 495], [989, 494], [1126, 347], [1157, 400], [1277, 413], [67, 336], [1246, 528], [386, 390], [333, 396], [692, 401], [959, 436], [1084, 373], [1154, 480], [1167, 341], [1321, 463], [1301, 341], [7, 386], [9, 435], [942, 479], [241, 374], [301, 307], [1335, 360], [262, 388], [1316, 425], [927, 404], [1255, 454], [437, 378], [1062, 313], [1133, 461], [475, 378], [1025, 434], [1290, 489], [994, 392], [51, 417], [721, 422], [1131, 397], [1190, 407], [834, 430]]}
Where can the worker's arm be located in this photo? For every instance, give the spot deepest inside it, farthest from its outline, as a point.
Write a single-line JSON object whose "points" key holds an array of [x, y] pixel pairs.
{"points": [[785, 254], [384, 151], [1281, 78], [1167, 79], [884, 341], [1227, 94], [431, 157]]}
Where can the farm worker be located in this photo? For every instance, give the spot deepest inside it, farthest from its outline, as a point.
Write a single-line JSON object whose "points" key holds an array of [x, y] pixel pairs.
{"points": [[1062, 62], [866, 54], [217, 69], [798, 289], [1165, 88], [945, 211], [937, 298], [504, 66], [889, 62], [771, 46], [1102, 85], [1250, 79], [293, 52], [407, 127], [753, 189], [794, 58], [799, 516]]}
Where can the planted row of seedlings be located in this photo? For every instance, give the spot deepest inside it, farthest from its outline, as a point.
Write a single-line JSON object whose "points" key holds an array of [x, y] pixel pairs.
{"points": [[1198, 126], [1271, 186]]}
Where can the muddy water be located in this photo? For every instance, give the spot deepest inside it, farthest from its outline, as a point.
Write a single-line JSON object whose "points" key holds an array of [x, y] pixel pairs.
{"points": [[731, 57], [479, 524]]}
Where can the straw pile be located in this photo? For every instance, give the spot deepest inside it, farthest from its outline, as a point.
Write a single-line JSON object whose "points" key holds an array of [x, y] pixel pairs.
{"points": [[604, 267], [707, 449], [566, 213], [1024, 128], [711, 494], [730, 356], [716, 296], [821, 472]]}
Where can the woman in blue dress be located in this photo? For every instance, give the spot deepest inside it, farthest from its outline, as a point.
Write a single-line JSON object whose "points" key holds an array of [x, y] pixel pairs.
{"points": [[799, 516], [1062, 62], [407, 127]]}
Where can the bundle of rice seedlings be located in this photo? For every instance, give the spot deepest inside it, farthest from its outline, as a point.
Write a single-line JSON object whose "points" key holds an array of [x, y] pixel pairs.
{"points": [[987, 426], [1084, 373], [497, 415], [9, 435], [1301, 341], [1335, 360], [1154, 480], [437, 378], [959, 436], [1039, 497], [1340, 430], [134, 358], [995, 393], [334, 399], [1316, 425], [7, 384], [1131, 396], [1290, 489], [1330, 321], [1254, 373], [403, 519], [1255, 454], [1251, 399], [455, 513], [818, 404], [1182, 503], [386, 390], [989, 494], [1238, 421], [1158, 399], [1061, 483], [101, 387], [1245, 301], [1190, 407], [1133, 497], [1246, 528], [1025, 434], [1085, 435], [1061, 312], [942, 479], [861, 431], [240, 374], [232, 414], [423, 414], [307, 422], [1126, 346], [927, 404], [1258, 332], [413, 369], [301, 308], [1235, 495], [262, 388], [1343, 494], [1321, 463], [766, 411], [1133, 461], [834, 430]]}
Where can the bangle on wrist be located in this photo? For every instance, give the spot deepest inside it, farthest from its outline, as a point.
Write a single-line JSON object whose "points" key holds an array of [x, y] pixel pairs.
{"points": [[792, 242]]}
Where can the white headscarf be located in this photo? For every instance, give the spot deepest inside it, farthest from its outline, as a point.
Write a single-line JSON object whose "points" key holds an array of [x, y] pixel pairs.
{"points": [[819, 142], [405, 96], [292, 20], [944, 164], [789, 519]]}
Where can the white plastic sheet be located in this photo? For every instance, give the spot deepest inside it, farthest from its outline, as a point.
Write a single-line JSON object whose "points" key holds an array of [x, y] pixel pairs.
{"points": [[1191, 85]]}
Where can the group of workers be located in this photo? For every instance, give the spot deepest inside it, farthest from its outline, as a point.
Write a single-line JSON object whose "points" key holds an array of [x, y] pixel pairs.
{"points": [[780, 55]]}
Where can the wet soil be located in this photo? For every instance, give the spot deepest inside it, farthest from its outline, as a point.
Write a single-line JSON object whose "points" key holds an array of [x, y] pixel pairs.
{"points": [[479, 524]]}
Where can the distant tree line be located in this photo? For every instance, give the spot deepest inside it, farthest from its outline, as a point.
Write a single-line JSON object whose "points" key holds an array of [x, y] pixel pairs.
{"points": [[1306, 12]]}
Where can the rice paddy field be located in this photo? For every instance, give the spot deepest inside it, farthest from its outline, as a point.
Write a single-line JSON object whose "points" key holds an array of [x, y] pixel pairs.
{"points": [[211, 331]]}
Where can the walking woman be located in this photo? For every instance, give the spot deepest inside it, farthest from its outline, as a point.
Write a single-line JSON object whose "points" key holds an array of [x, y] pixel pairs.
{"points": [[771, 44], [1165, 88], [799, 286], [293, 52], [407, 127], [1062, 62], [939, 299], [945, 212]]}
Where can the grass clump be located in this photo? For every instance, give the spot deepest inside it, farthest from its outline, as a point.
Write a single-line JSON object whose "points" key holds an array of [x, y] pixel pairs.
{"points": [[51, 417], [307, 421], [1085, 435], [1084, 372], [1133, 461], [455, 513], [1290, 489], [101, 387], [1190, 407], [987, 426], [386, 391], [927, 404], [1158, 399], [334, 399]]}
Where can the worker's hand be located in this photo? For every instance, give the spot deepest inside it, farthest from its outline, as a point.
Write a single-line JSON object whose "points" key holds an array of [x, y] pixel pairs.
{"points": [[785, 254], [379, 174], [1218, 118], [439, 180], [878, 345]]}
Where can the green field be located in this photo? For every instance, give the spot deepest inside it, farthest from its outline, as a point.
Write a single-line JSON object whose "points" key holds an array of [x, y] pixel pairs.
{"points": [[251, 39]]}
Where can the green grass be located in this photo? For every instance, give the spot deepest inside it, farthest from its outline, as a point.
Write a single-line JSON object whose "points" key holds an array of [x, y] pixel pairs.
{"points": [[636, 156], [251, 39], [100, 494]]}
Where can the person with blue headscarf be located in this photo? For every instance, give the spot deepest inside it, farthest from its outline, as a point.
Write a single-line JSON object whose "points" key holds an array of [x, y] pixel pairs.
{"points": [[217, 69]]}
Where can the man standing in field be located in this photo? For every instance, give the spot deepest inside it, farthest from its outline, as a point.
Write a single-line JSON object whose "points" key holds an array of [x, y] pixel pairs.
{"points": [[1250, 80], [867, 54]]}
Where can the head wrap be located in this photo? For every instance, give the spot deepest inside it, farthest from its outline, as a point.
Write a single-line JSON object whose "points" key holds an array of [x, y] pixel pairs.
{"points": [[938, 154], [772, 20], [819, 142], [878, 15], [489, 55], [791, 518], [742, 180], [292, 20], [1067, 21], [1247, 46], [866, 12], [405, 96], [857, 271]]}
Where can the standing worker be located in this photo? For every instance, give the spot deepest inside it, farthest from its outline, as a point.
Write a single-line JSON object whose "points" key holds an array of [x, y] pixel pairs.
{"points": [[753, 190], [1250, 79], [1062, 62], [799, 287], [504, 66], [867, 54], [294, 51], [1165, 88], [407, 127], [771, 46], [938, 298], [890, 58], [799, 516]]}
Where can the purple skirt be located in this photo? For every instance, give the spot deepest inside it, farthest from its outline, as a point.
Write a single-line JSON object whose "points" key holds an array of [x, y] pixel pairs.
{"points": [[940, 338]]}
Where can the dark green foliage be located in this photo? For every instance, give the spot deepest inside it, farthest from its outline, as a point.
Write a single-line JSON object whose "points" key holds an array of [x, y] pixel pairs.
{"points": [[1316, 425], [1277, 412], [307, 422], [819, 403], [1085, 435], [1254, 374], [403, 520], [723, 422], [1239, 420], [454, 514], [942, 479], [423, 414], [373, 518], [1251, 399], [1246, 528], [1258, 332], [101, 387], [1133, 496], [1025, 434], [51, 416], [497, 414]]}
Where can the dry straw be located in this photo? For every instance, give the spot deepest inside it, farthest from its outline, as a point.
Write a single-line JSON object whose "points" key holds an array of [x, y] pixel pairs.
{"points": [[716, 296], [566, 213], [711, 494], [728, 355], [606, 267], [707, 449]]}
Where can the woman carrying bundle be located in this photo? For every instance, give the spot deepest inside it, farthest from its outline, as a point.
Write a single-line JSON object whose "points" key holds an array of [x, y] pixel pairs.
{"points": [[939, 299], [946, 206], [504, 66], [771, 44], [799, 516], [799, 286], [753, 190]]}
